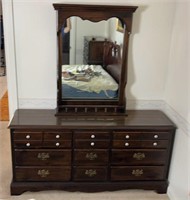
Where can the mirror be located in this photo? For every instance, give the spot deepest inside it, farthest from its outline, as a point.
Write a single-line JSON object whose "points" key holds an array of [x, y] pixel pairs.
{"points": [[94, 58], [87, 50]]}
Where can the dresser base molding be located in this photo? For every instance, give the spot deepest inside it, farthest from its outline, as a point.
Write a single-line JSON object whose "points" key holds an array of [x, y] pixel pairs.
{"points": [[18, 188]]}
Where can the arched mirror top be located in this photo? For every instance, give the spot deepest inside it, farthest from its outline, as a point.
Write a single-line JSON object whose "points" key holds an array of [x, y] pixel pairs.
{"points": [[92, 64]]}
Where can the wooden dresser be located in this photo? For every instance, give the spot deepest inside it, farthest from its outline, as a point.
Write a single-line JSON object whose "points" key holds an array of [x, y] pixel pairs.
{"points": [[90, 153]]}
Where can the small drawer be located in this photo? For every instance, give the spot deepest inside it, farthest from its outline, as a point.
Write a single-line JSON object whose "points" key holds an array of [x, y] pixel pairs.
{"points": [[139, 157], [42, 173], [27, 144], [137, 173], [57, 144], [127, 135], [91, 144], [57, 135], [90, 173], [100, 135], [42, 157], [95, 157], [155, 144], [27, 135]]}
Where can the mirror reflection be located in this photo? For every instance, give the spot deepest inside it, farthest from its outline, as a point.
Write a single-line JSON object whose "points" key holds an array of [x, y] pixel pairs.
{"points": [[91, 59]]}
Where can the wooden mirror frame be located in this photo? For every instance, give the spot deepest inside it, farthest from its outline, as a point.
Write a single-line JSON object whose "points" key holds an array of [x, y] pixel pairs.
{"points": [[94, 13]]}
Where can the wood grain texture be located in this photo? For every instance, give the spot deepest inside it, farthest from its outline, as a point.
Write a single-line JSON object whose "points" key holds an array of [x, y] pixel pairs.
{"points": [[4, 108]]}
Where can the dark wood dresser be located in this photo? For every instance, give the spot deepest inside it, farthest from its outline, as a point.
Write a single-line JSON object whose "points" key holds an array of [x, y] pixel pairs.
{"points": [[90, 153]]}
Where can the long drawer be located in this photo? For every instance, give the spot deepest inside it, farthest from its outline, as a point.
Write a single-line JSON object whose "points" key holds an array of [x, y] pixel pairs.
{"points": [[137, 173], [91, 144], [138, 157], [42, 157], [42, 173]]}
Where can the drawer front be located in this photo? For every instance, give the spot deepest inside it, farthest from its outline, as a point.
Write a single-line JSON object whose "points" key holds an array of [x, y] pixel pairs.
{"points": [[91, 144], [57, 144], [138, 173], [27, 144], [42, 173], [90, 174], [121, 144], [127, 135], [138, 157], [100, 135], [42, 157], [27, 135], [53, 135], [96, 157]]}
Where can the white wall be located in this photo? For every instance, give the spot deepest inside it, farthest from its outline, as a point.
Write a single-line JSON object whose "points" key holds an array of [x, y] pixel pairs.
{"points": [[157, 75]]}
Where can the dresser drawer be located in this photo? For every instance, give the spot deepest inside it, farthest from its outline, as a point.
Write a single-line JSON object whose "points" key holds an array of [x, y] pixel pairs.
{"points": [[127, 135], [90, 174], [57, 144], [137, 173], [121, 144], [27, 135], [139, 157], [91, 144], [101, 135], [27, 144], [95, 157], [42, 157], [42, 173], [54, 135]]}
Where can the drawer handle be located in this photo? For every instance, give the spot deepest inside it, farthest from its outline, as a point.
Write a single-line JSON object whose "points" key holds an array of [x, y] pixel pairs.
{"points": [[155, 136], [43, 156], [137, 172], [139, 156], [92, 136], [126, 144], [92, 144], [127, 136], [27, 136], [28, 144], [91, 156], [43, 173], [57, 136], [57, 144], [90, 172], [155, 144]]}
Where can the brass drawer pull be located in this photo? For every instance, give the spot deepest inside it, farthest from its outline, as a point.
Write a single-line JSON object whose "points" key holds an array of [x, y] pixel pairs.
{"points": [[57, 136], [137, 172], [92, 136], [27, 144], [90, 172], [43, 173], [91, 156], [155, 136], [27, 136], [43, 156], [139, 156]]}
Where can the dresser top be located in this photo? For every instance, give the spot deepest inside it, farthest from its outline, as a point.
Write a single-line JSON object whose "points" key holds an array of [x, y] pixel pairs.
{"points": [[35, 118]]}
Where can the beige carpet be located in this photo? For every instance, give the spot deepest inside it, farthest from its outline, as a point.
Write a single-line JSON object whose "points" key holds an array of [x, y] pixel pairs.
{"points": [[6, 174]]}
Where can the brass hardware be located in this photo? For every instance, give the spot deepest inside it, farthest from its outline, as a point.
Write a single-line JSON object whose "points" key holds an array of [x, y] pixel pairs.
{"points": [[90, 172], [91, 156], [139, 156], [43, 173], [137, 172], [43, 156]]}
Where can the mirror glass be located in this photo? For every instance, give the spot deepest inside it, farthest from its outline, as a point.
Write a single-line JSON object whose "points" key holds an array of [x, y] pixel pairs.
{"points": [[91, 59]]}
